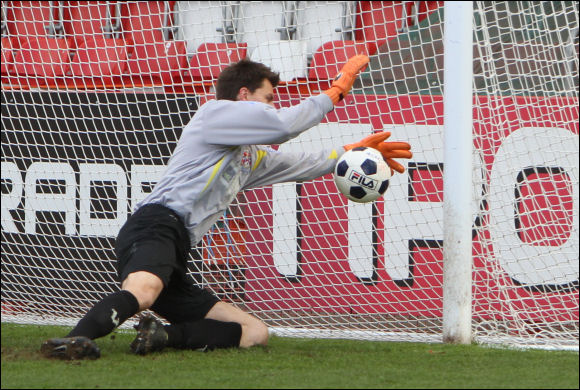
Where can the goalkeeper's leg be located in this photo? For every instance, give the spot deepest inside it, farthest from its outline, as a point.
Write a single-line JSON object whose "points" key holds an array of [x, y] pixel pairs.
{"points": [[224, 326], [203, 335], [234, 329], [199, 320], [254, 331], [139, 292], [150, 247], [101, 320]]}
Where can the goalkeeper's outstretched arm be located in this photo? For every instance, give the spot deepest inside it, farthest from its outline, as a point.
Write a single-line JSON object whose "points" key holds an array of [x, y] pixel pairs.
{"points": [[234, 123], [255, 119], [271, 166]]}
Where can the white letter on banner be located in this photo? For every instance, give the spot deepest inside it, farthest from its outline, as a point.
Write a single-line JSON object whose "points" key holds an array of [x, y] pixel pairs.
{"points": [[524, 148], [11, 200], [62, 202], [360, 239], [143, 174], [407, 220], [285, 254], [90, 173]]}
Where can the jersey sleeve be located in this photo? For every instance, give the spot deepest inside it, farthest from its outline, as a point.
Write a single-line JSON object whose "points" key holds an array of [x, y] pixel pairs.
{"points": [[271, 166], [234, 123]]}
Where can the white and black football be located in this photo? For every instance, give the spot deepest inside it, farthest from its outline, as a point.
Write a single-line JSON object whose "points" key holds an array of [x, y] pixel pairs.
{"points": [[362, 175]]}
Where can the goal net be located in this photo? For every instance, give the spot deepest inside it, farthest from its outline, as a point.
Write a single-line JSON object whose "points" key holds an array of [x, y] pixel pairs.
{"points": [[95, 96]]}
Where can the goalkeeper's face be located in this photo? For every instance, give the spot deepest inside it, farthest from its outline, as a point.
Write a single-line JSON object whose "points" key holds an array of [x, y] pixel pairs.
{"points": [[264, 94]]}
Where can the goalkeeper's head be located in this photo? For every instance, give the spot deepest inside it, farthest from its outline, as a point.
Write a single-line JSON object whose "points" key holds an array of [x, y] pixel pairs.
{"points": [[247, 80]]}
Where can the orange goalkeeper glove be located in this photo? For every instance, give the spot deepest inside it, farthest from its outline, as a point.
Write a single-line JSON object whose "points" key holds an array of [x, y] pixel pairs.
{"points": [[389, 150], [345, 79]]}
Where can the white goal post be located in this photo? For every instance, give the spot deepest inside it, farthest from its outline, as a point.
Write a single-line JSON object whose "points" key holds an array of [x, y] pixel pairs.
{"points": [[476, 242], [457, 189]]}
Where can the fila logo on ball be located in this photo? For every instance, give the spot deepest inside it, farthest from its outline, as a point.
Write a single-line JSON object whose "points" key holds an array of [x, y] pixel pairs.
{"points": [[363, 180]]}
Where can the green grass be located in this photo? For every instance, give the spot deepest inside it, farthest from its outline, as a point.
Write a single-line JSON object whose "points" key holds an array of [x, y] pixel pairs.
{"points": [[285, 363]]}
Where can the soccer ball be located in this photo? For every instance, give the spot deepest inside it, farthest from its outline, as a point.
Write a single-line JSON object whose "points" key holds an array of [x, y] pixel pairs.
{"points": [[362, 175]]}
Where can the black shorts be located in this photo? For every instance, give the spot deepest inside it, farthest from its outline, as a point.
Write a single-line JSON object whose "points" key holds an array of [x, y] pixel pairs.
{"points": [[154, 239]]}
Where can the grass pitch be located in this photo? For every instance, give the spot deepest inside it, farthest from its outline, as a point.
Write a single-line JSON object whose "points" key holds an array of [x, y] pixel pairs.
{"points": [[285, 363]]}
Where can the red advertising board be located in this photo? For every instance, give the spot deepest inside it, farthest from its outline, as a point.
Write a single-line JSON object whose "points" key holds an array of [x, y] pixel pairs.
{"points": [[324, 281]]}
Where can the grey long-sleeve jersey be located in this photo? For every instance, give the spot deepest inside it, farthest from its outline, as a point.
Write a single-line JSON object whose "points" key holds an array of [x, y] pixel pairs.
{"points": [[221, 151]]}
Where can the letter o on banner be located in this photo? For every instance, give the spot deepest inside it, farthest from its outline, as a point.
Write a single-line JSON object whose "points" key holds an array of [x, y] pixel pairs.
{"points": [[524, 149]]}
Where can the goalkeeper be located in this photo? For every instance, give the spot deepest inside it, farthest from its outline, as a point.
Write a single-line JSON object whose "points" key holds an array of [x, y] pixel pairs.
{"points": [[219, 153]]}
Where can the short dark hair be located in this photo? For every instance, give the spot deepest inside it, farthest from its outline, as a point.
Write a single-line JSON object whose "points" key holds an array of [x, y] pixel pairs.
{"points": [[244, 73]]}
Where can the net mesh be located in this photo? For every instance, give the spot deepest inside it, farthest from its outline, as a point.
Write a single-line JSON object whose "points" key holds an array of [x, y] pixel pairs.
{"points": [[95, 96]]}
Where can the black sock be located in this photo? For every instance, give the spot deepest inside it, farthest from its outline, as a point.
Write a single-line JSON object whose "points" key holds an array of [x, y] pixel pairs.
{"points": [[204, 334], [106, 315]]}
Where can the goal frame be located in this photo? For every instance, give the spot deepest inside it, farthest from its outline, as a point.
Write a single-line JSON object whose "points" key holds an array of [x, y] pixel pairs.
{"points": [[457, 109]]}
